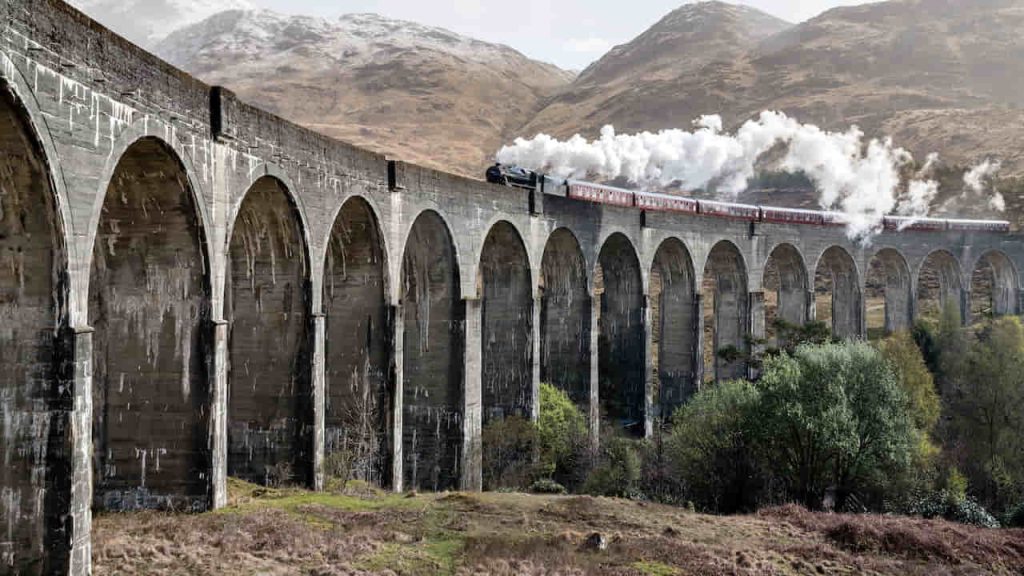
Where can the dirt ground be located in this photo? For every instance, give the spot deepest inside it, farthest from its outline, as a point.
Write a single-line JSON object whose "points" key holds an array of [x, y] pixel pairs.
{"points": [[362, 531]]}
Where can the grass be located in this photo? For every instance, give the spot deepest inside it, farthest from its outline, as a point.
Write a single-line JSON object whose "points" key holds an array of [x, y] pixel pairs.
{"points": [[655, 569], [363, 531], [437, 557], [356, 497], [434, 547], [293, 500], [430, 547]]}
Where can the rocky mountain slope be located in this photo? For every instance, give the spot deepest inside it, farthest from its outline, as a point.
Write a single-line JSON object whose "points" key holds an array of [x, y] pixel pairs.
{"points": [[146, 22], [941, 76], [643, 85], [421, 93], [936, 75]]}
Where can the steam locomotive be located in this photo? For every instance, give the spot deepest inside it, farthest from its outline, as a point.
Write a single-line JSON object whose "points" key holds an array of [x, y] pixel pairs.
{"points": [[653, 202]]}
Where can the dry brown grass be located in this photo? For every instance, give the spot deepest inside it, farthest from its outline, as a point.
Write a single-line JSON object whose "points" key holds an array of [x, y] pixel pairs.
{"points": [[942, 547], [290, 532]]}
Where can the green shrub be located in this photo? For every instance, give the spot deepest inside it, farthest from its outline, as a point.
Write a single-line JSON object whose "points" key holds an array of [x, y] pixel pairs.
{"points": [[792, 335], [833, 415], [924, 408], [1015, 517], [949, 506], [658, 479], [338, 467], [509, 450], [563, 435], [730, 354], [710, 451], [788, 337], [955, 484], [547, 486], [617, 473]]}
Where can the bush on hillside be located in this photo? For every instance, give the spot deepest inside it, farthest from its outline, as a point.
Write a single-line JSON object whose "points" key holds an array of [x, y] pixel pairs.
{"points": [[1015, 517], [547, 486], [949, 506], [563, 436], [509, 447], [658, 479], [339, 467], [833, 417], [617, 471], [710, 448]]}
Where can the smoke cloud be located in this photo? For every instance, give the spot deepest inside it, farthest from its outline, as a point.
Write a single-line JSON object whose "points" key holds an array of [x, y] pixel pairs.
{"points": [[977, 179], [863, 180]]}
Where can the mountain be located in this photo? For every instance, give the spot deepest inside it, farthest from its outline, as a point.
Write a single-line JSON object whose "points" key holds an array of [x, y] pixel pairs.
{"points": [[637, 86], [421, 93], [941, 76], [146, 22], [936, 75]]}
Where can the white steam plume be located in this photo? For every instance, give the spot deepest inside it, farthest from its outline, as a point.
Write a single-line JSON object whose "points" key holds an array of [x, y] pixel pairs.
{"points": [[976, 180], [863, 181]]}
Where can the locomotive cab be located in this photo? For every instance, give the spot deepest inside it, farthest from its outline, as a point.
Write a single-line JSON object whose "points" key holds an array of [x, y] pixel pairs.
{"points": [[505, 175]]}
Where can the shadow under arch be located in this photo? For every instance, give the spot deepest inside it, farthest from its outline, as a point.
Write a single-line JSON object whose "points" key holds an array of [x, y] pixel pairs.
{"points": [[939, 285], [889, 293], [673, 326], [36, 359], [145, 132], [565, 317], [274, 176], [520, 233], [726, 313], [150, 307], [838, 299], [787, 290], [267, 306], [506, 289], [359, 384], [26, 122], [618, 289], [433, 336], [506, 319], [995, 286]]}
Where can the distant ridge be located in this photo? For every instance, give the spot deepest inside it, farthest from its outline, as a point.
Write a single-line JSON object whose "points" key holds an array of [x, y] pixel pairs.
{"points": [[146, 22], [422, 93]]}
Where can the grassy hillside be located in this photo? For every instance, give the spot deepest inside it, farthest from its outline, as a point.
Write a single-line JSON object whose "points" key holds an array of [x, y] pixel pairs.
{"points": [[362, 531]]}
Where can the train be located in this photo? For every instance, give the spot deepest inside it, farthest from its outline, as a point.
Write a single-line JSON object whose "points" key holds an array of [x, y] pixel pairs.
{"points": [[656, 202]]}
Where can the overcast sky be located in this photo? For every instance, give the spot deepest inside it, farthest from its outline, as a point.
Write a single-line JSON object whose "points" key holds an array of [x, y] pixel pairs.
{"points": [[570, 33]]}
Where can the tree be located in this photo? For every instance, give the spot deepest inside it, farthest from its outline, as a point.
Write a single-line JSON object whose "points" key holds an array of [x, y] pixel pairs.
{"points": [[788, 337], [833, 416], [923, 406], [793, 335], [710, 450], [908, 364], [953, 347], [987, 410]]}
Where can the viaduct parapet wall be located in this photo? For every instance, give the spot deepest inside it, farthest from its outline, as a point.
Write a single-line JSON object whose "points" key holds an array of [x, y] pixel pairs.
{"points": [[192, 288]]}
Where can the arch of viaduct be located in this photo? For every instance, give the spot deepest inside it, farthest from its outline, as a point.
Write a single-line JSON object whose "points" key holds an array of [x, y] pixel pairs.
{"points": [[192, 288]]}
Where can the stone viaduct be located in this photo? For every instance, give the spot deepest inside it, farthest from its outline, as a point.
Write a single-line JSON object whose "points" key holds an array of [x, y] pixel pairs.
{"points": [[192, 288]]}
